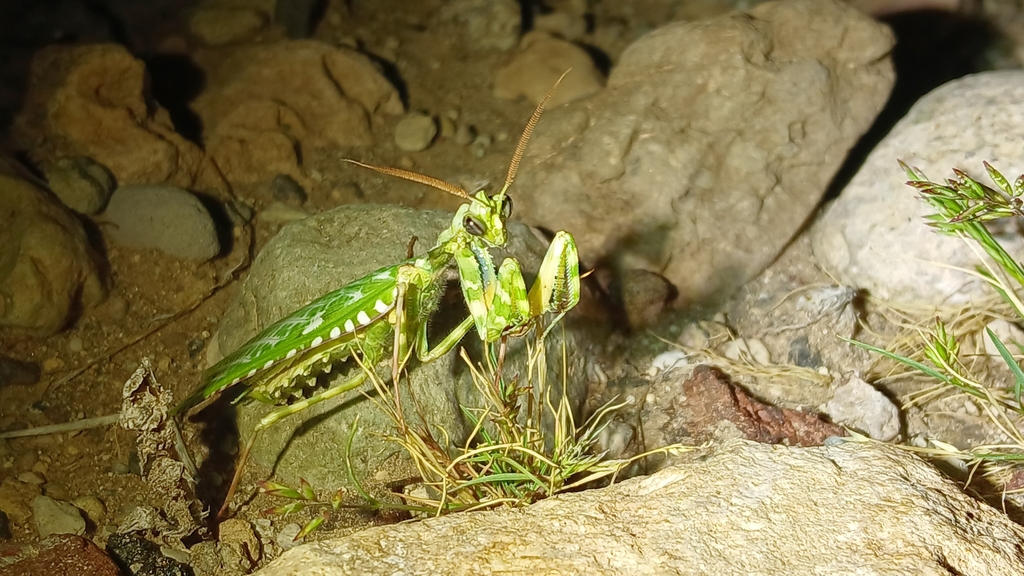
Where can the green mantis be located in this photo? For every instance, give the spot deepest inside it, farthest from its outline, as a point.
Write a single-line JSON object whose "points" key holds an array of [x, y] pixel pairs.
{"points": [[389, 309]]}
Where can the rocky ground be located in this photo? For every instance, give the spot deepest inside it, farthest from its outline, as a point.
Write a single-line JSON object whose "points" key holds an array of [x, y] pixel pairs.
{"points": [[171, 183]]}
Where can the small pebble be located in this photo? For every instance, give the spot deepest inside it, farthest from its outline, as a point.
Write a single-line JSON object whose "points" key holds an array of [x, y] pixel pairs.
{"points": [[93, 508], [285, 189], [464, 134], [406, 162], [746, 349], [286, 537], [76, 345], [415, 132], [52, 365], [480, 145], [447, 127], [668, 360], [30, 478]]}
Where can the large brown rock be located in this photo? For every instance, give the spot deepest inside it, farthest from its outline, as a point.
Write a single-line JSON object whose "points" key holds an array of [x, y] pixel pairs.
{"points": [[91, 101], [737, 509], [712, 143], [265, 104], [46, 265]]}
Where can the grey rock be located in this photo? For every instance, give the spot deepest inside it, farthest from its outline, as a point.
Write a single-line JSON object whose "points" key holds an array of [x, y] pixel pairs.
{"points": [[712, 143], [80, 183], [47, 268], [322, 253], [165, 218], [56, 517], [285, 189], [737, 509], [415, 132], [874, 236], [860, 406]]}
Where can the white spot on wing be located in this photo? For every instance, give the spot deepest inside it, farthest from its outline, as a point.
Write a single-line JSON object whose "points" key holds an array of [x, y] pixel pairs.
{"points": [[363, 318], [350, 326], [335, 332], [268, 364], [316, 342], [252, 373], [380, 307], [291, 353], [313, 324]]}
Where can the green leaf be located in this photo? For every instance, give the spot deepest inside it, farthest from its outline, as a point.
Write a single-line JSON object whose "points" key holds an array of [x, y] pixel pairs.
{"points": [[337, 498], [1011, 363], [279, 490], [923, 368], [311, 526], [284, 510], [998, 178], [307, 490]]}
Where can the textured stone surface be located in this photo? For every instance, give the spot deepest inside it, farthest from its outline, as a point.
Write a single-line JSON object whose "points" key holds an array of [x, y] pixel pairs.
{"points": [[874, 236], [736, 509], [92, 101], [164, 218], [266, 103], [59, 555], [47, 267], [712, 143], [539, 63]]}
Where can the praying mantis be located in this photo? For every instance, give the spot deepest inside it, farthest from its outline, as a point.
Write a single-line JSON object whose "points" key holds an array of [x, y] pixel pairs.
{"points": [[389, 309]]}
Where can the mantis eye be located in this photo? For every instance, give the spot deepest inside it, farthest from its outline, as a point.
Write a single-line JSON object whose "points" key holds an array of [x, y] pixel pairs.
{"points": [[473, 226], [506, 207]]}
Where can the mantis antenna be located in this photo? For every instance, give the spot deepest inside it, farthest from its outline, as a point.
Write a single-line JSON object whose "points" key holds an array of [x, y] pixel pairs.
{"points": [[414, 177], [513, 166], [459, 191]]}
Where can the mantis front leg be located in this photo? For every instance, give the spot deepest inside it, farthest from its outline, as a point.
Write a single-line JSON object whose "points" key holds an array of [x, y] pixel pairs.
{"points": [[499, 303]]}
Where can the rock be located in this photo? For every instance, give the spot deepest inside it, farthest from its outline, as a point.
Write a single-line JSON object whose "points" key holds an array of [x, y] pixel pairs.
{"points": [[143, 556], [706, 406], [47, 268], [60, 555], [562, 24], [93, 508], [645, 296], [286, 538], [265, 103], [17, 373], [1007, 333], [335, 245], [860, 406], [746, 350], [737, 509], [874, 236], [91, 100], [163, 218], [56, 517], [488, 24], [81, 184], [712, 143], [15, 497], [415, 132], [219, 25], [285, 189], [542, 59], [239, 545]]}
